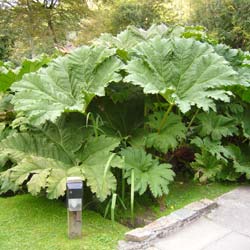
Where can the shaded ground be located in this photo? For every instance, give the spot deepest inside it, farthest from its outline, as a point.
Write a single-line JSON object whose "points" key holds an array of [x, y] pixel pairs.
{"points": [[226, 227]]}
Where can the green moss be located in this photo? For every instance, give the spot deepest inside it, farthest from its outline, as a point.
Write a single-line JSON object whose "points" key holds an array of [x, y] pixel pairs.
{"points": [[28, 222]]}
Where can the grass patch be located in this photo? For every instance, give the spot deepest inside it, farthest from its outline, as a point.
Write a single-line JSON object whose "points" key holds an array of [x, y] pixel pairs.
{"points": [[183, 193], [28, 222]]}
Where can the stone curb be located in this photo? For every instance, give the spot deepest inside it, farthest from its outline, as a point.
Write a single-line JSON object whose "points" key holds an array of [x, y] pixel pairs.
{"points": [[142, 238]]}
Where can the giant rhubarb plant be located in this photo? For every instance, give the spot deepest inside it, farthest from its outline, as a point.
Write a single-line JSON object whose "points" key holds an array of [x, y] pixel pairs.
{"points": [[59, 145], [47, 156], [185, 73]]}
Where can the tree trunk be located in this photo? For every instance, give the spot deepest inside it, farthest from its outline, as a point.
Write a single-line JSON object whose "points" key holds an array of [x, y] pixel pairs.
{"points": [[31, 41], [52, 30]]}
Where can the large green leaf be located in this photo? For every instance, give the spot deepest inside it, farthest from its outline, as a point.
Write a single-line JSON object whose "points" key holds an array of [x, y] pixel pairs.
{"points": [[149, 173], [130, 37], [185, 72], [43, 172], [97, 150], [68, 84], [21, 145], [120, 118], [100, 184], [241, 159], [55, 141], [96, 160], [233, 56], [56, 181], [217, 126], [206, 166], [6, 183], [240, 61], [213, 147], [245, 123], [8, 75], [169, 134], [68, 132], [50, 154], [46, 174]]}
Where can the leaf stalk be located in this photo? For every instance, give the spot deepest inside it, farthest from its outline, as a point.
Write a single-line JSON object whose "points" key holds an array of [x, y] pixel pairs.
{"points": [[163, 121], [132, 196], [192, 120]]}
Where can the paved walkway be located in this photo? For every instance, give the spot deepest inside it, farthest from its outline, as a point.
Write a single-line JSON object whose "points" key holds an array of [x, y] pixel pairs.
{"points": [[225, 228]]}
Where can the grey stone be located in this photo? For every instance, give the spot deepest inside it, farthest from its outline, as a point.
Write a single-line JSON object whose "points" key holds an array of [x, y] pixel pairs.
{"points": [[202, 207], [162, 223], [147, 221], [209, 203], [241, 193], [138, 235], [233, 211], [184, 214], [124, 245], [193, 237], [232, 241], [163, 226], [195, 206], [226, 227]]}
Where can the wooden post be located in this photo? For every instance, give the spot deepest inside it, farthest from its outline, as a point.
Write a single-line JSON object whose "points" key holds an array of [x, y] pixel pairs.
{"points": [[74, 198]]}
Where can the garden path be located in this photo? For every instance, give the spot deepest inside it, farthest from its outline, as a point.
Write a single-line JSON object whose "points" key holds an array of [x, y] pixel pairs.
{"points": [[225, 228]]}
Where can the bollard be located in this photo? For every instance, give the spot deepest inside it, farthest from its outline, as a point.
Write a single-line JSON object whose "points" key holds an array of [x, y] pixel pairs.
{"points": [[74, 201]]}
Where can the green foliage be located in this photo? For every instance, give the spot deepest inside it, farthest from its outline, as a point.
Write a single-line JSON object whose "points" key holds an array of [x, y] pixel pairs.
{"points": [[206, 166], [8, 75], [178, 69], [52, 153], [94, 157], [5, 47], [213, 147], [40, 26], [148, 172], [130, 37], [133, 13], [245, 123], [241, 159], [68, 84], [121, 118], [166, 137], [217, 126], [120, 111], [226, 19]]}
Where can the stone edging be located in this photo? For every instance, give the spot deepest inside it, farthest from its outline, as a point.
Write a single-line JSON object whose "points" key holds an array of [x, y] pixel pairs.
{"points": [[142, 238]]}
